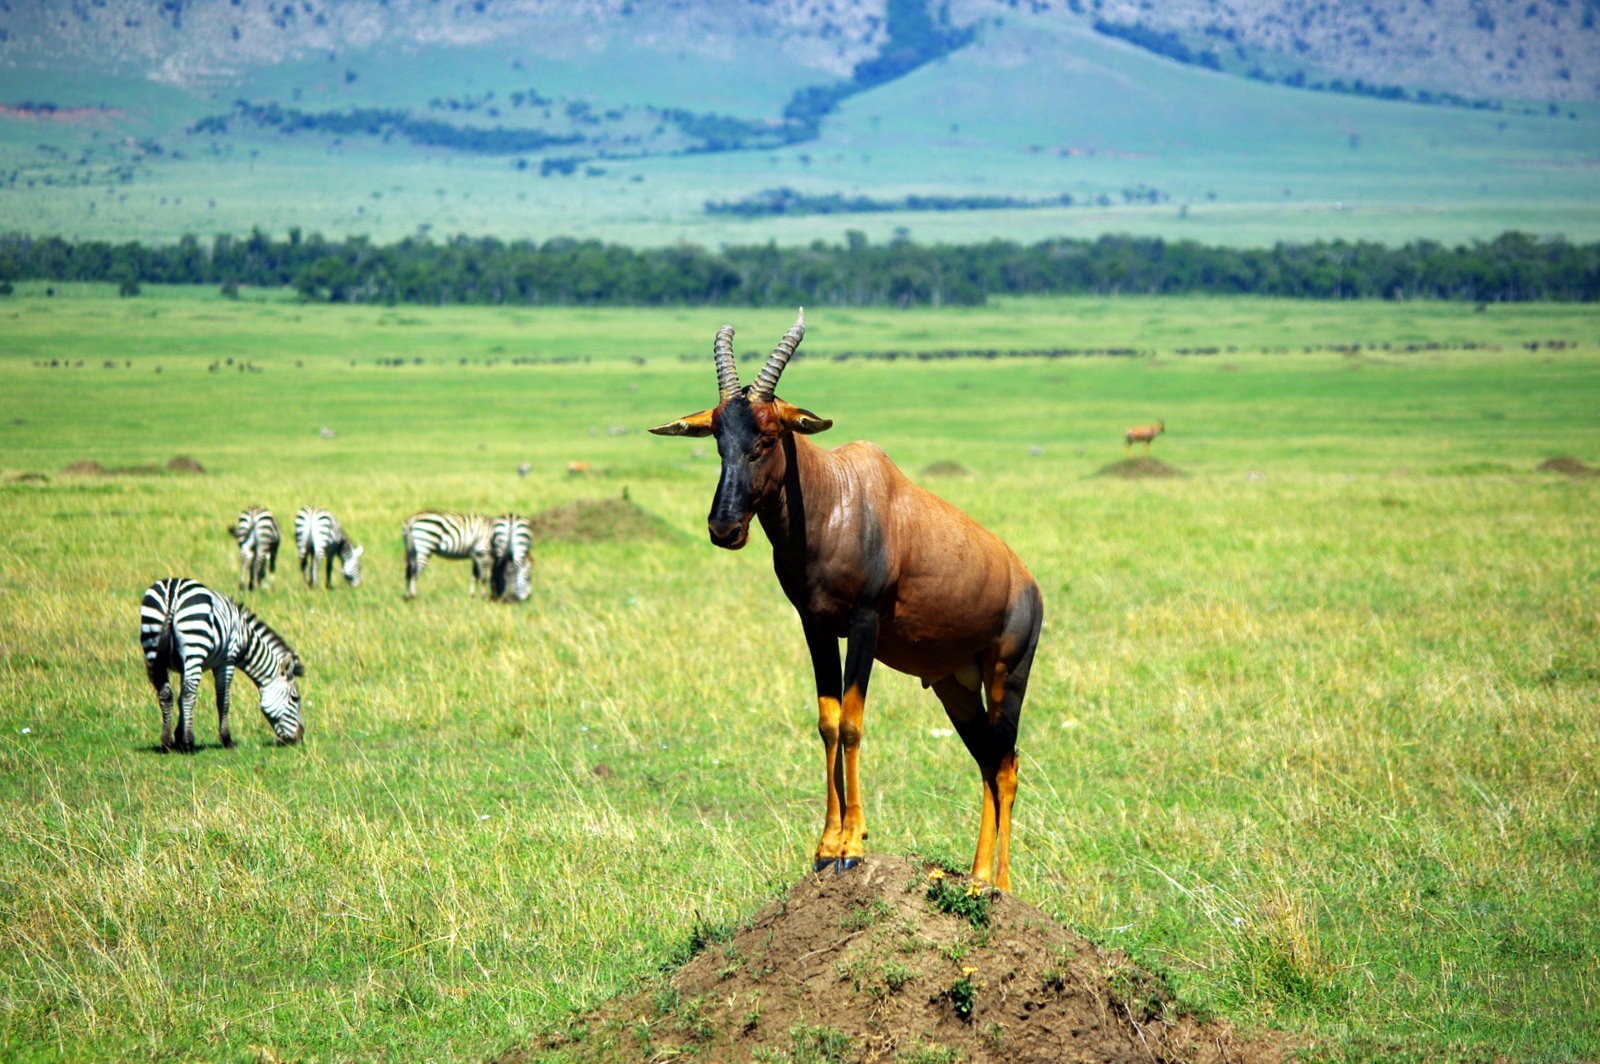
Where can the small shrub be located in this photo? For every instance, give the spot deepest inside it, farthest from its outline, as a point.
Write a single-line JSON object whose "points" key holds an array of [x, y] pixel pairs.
{"points": [[972, 902]]}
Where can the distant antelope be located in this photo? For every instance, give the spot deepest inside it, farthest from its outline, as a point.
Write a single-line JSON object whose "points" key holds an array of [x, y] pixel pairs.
{"points": [[1145, 433], [866, 555], [577, 469]]}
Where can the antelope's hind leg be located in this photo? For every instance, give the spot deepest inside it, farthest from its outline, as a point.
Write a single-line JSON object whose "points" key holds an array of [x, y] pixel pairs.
{"points": [[984, 702]]}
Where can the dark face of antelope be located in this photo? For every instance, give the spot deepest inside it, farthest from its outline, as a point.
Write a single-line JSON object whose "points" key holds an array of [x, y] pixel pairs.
{"points": [[749, 425], [746, 452]]}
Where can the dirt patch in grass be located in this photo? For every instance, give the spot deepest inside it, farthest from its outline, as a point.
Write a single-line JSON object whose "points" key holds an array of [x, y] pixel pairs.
{"points": [[1140, 469], [182, 463], [30, 478], [88, 467], [1568, 465], [599, 521], [897, 961], [945, 469]]}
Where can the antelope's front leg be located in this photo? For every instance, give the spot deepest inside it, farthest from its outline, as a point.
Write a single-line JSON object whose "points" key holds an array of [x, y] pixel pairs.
{"points": [[825, 668]]}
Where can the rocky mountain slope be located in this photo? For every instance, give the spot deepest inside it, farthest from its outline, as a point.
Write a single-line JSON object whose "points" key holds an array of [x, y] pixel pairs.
{"points": [[1512, 49]]}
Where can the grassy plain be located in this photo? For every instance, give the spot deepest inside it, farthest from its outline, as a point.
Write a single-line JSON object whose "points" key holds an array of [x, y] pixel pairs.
{"points": [[1312, 729]]}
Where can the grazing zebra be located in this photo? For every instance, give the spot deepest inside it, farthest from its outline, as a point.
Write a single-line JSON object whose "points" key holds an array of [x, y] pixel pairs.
{"points": [[184, 625], [510, 549], [318, 536], [450, 534], [257, 533]]}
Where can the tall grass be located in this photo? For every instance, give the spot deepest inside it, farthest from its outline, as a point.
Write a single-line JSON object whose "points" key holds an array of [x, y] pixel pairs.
{"points": [[1311, 729]]}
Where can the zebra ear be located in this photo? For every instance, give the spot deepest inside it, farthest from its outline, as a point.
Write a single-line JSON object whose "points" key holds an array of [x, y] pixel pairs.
{"points": [[357, 552]]}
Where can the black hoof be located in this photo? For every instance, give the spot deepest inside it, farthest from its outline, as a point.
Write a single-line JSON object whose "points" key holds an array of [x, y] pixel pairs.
{"points": [[824, 862], [844, 864]]}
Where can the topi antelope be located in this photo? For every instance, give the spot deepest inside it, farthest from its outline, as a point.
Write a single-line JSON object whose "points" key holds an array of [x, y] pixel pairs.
{"points": [[906, 578], [1146, 433]]}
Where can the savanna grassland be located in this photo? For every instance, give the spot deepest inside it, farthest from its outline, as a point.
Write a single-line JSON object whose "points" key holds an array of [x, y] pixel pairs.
{"points": [[1311, 729]]}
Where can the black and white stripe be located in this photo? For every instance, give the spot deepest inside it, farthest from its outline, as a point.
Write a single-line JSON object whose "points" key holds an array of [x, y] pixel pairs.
{"points": [[318, 537], [451, 534], [185, 626], [256, 531], [510, 549]]}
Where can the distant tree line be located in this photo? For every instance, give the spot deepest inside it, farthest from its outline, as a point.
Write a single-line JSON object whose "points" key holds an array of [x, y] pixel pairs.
{"points": [[775, 201], [385, 123], [1512, 267]]}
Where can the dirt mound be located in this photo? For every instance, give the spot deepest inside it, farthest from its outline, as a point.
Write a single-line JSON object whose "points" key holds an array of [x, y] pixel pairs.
{"points": [[86, 467], [1569, 465], [945, 469], [30, 478], [894, 961], [182, 463], [134, 471], [1140, 469], [599, 521]]}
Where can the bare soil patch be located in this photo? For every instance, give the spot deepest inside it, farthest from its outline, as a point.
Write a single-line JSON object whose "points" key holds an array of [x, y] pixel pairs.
{"points": [[1568, 465], [1140, 469], [899, 961], [945, 469], [599, 521], [85, 467]]}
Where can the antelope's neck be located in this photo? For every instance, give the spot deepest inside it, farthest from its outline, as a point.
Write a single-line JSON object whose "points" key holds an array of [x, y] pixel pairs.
{"points": [[795, 513]]}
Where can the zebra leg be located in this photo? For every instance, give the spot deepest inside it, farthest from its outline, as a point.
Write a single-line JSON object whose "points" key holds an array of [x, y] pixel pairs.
{"points": [[156, 669], [480, 574], [415, 560], [272, 561], [312, 564], [327, 572], [244, 568], [164, 696], [223, 679], [186, 701]]}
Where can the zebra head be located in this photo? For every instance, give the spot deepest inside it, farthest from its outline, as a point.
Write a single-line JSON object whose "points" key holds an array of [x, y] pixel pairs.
{"points": [[280, 700], [521, 580], [351, 562]]}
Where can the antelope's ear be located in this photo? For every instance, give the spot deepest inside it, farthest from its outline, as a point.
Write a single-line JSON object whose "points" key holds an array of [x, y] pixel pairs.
{"points": [[689, 425], [802, 421]]}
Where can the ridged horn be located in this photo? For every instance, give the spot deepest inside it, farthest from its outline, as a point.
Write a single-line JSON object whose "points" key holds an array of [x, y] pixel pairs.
{"points": [[727, 375], [761, 391]]}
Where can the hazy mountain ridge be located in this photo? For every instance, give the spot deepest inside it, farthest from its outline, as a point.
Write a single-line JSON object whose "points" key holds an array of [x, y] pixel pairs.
{"points": [[187, 41], [1543, 49], [1530, 49]]}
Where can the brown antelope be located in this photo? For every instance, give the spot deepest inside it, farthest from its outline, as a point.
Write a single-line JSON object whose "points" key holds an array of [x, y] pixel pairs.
{"points": [[1146, 433], [906, 578]]}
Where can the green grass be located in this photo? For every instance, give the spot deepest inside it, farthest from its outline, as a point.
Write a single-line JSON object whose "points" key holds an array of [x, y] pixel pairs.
{"points": [[1038, 106], [1310, 731]]}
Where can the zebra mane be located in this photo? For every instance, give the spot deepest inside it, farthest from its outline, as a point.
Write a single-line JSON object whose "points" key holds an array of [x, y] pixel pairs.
{"points": [[261, 628]]}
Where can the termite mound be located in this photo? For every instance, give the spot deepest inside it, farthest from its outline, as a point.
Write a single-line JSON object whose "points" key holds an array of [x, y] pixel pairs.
{"points": [[895, 960]]}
